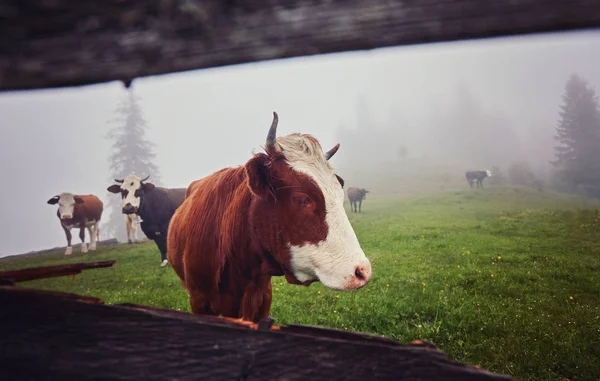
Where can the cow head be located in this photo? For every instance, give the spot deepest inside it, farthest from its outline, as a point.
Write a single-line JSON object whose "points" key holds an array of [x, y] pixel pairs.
{"points": [[132, 189], [298, 213], [488, 172], [66, 204], [363, 193]]}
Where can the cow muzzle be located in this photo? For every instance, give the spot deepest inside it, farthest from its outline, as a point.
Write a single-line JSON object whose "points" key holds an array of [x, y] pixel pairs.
{"points": [[129, 209], [66, 216], [362, 276]]}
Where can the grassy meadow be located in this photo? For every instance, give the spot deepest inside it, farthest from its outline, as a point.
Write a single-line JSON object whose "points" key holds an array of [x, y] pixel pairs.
{"points": [[505, 278]]}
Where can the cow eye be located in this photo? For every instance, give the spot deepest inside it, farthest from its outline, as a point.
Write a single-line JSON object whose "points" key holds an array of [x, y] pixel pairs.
{"points": [[302, 200]]}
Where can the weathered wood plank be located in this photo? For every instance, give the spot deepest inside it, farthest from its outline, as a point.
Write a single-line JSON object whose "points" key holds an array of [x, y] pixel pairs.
{"points": [[32, 273], [56, 338], [48, 44]]}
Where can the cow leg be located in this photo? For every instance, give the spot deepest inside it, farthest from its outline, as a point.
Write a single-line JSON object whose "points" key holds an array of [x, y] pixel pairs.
{"points": [[134, 229], [265, 309], [359, 206], [470, 183], [84, 248], [69, 249], [198, 303], [161, 242], [128, 227], [256, 303], [92, 231]]}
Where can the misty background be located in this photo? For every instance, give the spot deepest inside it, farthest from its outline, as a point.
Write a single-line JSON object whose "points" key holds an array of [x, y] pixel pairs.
{"points": [[406, 117]]}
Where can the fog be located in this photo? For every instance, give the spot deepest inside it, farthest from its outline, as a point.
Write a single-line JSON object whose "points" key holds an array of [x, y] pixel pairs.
{"points": [[459, 106]]}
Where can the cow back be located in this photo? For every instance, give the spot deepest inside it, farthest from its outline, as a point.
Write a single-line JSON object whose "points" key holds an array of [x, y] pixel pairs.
{"points": [[353, 193], [158, 205], [91, 209], [176, 197]]}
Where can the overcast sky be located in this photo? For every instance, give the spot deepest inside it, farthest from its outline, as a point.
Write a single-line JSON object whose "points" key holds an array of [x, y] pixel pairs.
{"points": [[53, 140]]}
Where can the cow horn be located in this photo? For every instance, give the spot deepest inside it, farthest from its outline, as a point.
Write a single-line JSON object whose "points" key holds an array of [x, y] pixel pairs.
{"points": [[119, 181], [332, 151], [272, 145], [145, 178]]}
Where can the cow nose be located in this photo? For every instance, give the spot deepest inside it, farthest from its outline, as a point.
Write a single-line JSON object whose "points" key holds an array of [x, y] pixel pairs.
{"points": [[362, 275], [128, 208], [66, 216]]}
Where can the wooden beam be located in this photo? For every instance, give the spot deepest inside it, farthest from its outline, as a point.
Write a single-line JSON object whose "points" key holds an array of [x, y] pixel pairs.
{"points": [[33, 273], [49, 337], [47, 44]]}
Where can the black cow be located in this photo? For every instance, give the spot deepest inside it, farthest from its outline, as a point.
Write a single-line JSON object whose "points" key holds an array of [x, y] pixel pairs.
{"points": [[356, 195], [154, 205], [477, 175]]}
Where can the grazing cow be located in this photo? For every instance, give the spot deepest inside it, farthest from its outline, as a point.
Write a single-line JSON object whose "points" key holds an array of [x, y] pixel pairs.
{"points": [[154, 205], [477, 175], [79, 211], [356, 195], [279, 214], [131, 225]]}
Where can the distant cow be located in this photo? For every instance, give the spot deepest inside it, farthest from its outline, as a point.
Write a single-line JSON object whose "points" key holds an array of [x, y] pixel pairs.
{"points": [[281, 213], [79, 211], [154, 205], [477, 175], [356, 195], [131, 225]]}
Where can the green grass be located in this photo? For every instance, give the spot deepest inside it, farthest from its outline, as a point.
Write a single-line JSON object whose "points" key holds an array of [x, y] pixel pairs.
{"points": [[506, 278]]}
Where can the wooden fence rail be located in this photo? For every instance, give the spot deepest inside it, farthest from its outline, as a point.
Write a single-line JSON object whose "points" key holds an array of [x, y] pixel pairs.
{"points": [[45, 44], [57, 336]]}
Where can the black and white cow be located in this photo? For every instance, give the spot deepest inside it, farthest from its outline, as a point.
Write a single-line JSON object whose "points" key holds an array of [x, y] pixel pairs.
{"points": [[154, 205], [477, 176]]}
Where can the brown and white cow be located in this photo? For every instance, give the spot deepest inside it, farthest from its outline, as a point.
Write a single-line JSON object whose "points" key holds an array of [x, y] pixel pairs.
{"points": [[279, 214], [79, 211]]}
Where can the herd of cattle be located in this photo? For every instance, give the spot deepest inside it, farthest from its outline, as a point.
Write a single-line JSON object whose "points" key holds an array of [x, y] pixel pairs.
{"points": [[225, 235]]}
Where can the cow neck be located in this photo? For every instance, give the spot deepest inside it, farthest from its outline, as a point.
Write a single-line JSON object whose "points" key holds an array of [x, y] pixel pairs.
{"points": [[270, 266], [274, 268], [142, 203]]}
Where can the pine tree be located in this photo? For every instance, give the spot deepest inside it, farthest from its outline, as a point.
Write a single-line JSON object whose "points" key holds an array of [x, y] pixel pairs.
{"points": [[578, 134], [131, 154]]}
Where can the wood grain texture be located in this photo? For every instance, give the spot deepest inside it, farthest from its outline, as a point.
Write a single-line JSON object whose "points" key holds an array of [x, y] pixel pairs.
{"points": [[57, 338], [56, 43], [32, 273]]}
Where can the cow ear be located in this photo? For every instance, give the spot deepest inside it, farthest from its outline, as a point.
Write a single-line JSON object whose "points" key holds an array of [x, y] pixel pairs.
{"points": [[78, 200], [53, 200], [258, 174], [114, 188], [148, 186]]}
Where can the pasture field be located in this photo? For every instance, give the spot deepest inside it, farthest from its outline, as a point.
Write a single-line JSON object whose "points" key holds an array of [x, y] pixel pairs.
{"points": [[505, 278]]}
